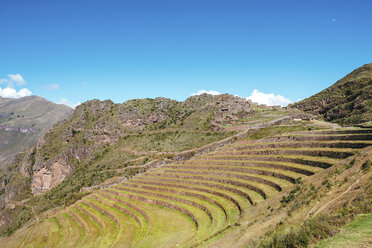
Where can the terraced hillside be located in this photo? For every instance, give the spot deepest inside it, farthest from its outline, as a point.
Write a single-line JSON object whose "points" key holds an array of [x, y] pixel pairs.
{"points": [[194, 202]]}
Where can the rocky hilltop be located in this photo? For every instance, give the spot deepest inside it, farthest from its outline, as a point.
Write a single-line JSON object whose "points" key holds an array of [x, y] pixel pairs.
{"points": [[96, 124], [347, 102], [23, 121], [102, 141]]}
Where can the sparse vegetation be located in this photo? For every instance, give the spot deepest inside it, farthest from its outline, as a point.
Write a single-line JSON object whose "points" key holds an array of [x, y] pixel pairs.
{"points": [[366, 166], [346, 102], [322, 226], [263, 187], [208, 194], [35, 114]]}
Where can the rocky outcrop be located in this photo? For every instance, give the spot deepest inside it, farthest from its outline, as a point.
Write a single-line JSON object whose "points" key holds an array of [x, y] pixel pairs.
{"points": [[48, 177], [18, 129]]}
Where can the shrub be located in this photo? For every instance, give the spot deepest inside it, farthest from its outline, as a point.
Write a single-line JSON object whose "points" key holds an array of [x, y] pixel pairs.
{"points": [[366, 166], [327, 183], [349, 165], [299, 180]]}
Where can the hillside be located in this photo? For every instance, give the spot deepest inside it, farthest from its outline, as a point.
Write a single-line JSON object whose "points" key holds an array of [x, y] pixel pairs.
{"points": [[347, 102], [264, 183], [103, 143], [23, 121], [212, 171]]}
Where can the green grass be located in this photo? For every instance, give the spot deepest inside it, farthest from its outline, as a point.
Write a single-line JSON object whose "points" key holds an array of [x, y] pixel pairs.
{"points": [[201, 216], [358, 233], [278, 130], [279, 181], [231, 209], [253, 166], [167, 225], [71, 231], [163, 220], [253, 195], [171, 141], [217, 213]]}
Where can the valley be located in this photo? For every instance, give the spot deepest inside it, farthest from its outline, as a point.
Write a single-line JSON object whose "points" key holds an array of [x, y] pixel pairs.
{"points": [[211, 171]]}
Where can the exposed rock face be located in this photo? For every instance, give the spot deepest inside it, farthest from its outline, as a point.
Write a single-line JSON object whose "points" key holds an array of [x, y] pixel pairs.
{"points": [[17, 129], [219, 109], [47, 178], [136, 114]]}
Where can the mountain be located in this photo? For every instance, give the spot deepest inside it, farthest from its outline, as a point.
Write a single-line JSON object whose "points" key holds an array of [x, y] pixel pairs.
{"points": [[285, 180], [140, 125], [211, 171], [103, 142], [347, 102], [23, 121]]}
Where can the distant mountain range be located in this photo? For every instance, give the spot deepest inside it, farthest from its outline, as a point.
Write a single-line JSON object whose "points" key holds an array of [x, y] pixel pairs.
{"points": [[24, 120]]}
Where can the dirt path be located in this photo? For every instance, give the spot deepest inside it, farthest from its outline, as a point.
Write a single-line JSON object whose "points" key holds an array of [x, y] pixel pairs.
{"points": [[26, 238], [36, 216], [332, 201]]}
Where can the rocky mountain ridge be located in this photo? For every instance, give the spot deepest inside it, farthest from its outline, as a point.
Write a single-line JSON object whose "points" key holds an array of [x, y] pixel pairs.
{"points": [[347, 102], [96, 124]]}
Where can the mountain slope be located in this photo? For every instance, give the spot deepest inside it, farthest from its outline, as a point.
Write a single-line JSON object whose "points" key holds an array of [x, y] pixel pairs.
{"points": [[246, 190], [24, 120], [137, 125], [348, 101], [107, 142], [225, 198]]}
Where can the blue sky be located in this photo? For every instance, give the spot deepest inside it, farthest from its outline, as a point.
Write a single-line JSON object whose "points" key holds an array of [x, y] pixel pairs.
{"points": [[119, 50]]}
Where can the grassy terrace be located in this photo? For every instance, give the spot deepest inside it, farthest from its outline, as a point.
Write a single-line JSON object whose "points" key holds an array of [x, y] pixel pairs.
{"points": [[187, 203], [297, 144]]}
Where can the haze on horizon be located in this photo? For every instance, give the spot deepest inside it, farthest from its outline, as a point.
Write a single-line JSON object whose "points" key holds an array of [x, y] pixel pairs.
{"points": [[273, 51]]}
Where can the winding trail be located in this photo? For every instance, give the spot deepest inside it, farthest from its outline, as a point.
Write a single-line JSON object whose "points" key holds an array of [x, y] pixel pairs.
{"points": [[36, 216], [330, 202]]}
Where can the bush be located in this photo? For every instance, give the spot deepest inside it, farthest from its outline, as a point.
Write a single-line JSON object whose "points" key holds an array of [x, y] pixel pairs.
{"points": [[315, 229], [327, 183], [349, 165], [366, 166]]}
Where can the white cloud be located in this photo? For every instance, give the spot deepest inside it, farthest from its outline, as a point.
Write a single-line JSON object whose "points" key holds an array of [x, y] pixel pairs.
{"points": [[268, 99], [52, 86], [256, 96], [210, 92], [12, 93], [17, 78], [68, 103], [13, 79]]}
